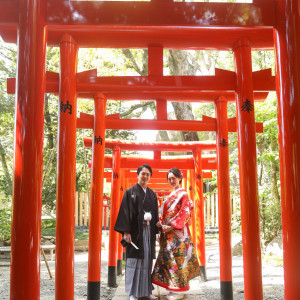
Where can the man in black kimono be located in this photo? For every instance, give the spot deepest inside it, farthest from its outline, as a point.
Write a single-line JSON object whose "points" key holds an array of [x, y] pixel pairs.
{"points": [[134, 223]]}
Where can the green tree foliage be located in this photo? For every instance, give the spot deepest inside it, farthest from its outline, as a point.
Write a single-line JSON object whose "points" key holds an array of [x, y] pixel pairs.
{"points": [[5, 216], [268, 155], [7, 69]]}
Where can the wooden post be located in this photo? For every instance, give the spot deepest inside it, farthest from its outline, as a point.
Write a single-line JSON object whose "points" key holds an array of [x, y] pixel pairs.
{"points": [[217, 211], [105, 216], [208, 210], [120, 248], [96, 199], [287, 42], [28, 156], [80, 208], [248, 171], [66, 170], [76, 209], [114, 208], [199, 212], [191, 189], [223, 200], [85, 209], [184, 183], [213, 210]]}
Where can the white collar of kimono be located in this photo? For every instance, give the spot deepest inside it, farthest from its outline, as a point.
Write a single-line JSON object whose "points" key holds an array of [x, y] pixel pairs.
{"points": [[143, 188], [174, 191]]}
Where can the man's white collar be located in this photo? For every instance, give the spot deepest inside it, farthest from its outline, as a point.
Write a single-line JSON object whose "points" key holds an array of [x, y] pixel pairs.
{"points": [[143, 188]]}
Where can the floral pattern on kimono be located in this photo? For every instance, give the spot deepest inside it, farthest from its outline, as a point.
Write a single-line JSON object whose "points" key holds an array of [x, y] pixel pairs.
{"points": [[177, 262]]}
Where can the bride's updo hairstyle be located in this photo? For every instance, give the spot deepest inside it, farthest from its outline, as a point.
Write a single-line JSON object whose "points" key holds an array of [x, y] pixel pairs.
{"points": [[176, 172]]}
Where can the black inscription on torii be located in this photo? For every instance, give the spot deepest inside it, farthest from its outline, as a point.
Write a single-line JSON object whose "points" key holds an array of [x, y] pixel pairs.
{"points": [[190, 188], [198, 176], [247, 106], [116, 175], [121, 189], [65, 107], [98, 140], [223, 143]]}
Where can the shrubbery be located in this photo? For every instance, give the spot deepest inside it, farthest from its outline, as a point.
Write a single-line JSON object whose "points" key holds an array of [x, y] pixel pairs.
{"points": [[5, 223]]}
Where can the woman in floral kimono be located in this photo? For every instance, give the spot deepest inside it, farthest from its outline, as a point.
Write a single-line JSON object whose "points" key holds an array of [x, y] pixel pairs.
{"points": [[177, 262]]}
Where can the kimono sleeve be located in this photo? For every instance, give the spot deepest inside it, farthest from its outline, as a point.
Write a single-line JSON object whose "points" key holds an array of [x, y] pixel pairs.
{"points": [[123, 222], [183, 215]]}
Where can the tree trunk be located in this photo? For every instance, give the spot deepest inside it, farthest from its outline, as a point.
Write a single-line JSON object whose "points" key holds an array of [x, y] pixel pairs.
{"points": [[179, 65], [274, 173], [48, 124], [183, 111], [274, 182], [163, 135]]}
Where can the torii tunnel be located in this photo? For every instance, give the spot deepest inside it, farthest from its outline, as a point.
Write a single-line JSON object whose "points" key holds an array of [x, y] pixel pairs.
{"points": [[156, 183], [154, 25]]}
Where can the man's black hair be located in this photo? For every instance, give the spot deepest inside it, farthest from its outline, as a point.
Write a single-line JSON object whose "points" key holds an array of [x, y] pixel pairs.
{"points": [[140, 168]]}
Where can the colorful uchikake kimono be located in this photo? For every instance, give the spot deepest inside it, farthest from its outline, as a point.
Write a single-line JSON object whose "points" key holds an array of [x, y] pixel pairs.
{"points": [[177, 262]]}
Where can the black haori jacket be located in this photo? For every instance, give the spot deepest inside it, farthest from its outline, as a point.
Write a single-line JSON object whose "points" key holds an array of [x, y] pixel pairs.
{"points": [[131, 217]]}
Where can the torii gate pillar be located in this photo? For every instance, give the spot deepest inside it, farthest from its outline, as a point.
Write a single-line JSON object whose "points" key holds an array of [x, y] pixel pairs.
{"points": [[287, 43], [199, 213], [28, 157], [66, 171], [191, 190], [120, 248], [248, 171], [114, 208], [96, 199], [224, 203]]}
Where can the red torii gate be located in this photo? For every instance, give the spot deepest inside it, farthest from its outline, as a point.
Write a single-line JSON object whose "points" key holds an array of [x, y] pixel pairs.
{"points": [[198, 227], [186, 26], [115, 265], [221, 125], [157, 163], [95, 122]]}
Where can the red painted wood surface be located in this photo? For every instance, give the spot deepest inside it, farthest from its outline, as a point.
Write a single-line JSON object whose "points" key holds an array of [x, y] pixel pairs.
{"points": [[286, 35], [114, 207], [223, 181], [66, 171], [96, 203], [248, 172], [28, 156]]}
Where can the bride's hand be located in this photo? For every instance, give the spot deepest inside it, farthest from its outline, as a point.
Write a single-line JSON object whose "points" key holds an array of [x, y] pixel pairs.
{"points": [[158, 224]]}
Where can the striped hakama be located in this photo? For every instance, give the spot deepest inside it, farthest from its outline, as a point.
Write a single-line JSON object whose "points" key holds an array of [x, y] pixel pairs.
{"points": [[138, 271]]}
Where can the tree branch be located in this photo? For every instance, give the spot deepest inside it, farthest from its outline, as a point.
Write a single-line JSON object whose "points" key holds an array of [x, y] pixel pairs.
{"points": [[128, 54], [143, 105]]}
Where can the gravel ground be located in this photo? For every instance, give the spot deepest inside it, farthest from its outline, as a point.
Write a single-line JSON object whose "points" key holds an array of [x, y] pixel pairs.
{"points": [[272, 279], [47, 290], [47, 286]]}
